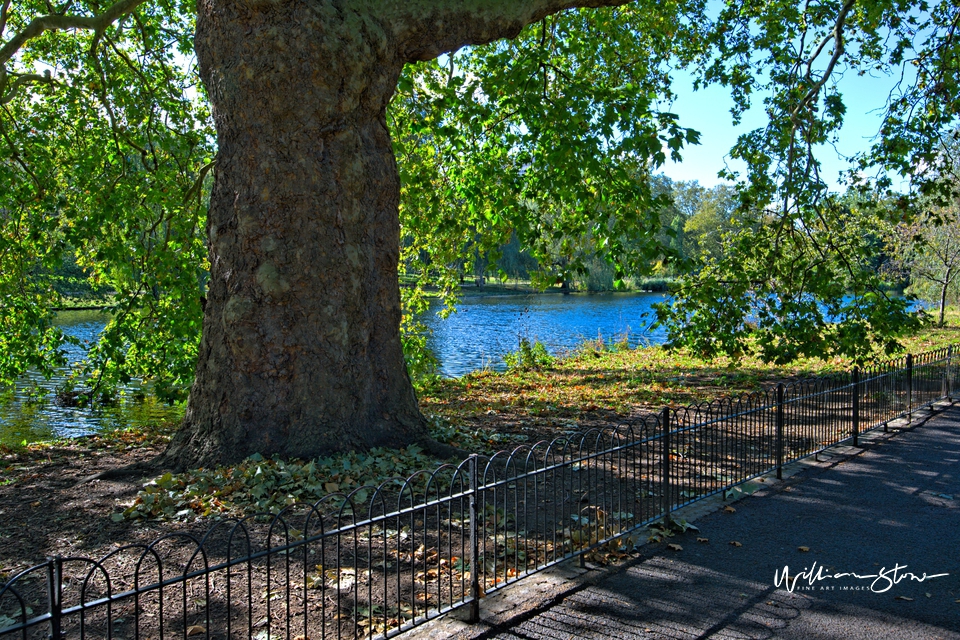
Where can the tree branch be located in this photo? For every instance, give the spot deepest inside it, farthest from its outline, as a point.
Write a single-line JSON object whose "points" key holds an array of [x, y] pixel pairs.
{"points": [[15, 155], [3, 16], [836, 35], [21, 80], [430, 28], [98, 24], [29, 78], [197, 186]]}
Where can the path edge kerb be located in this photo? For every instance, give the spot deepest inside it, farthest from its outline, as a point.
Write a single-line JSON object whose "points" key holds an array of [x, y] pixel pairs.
{"points": [[538, 592]]}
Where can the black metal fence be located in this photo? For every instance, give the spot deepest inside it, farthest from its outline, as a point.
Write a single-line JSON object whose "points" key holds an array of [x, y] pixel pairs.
{"points": [[381, 560]]}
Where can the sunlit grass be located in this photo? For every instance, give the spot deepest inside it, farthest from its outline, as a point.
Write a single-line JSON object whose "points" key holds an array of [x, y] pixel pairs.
{"points": [[614, 378], [480, 412]]}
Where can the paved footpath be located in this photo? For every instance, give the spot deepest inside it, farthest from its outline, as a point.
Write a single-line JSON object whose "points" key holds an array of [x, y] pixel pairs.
{"points": [[898, 503]]}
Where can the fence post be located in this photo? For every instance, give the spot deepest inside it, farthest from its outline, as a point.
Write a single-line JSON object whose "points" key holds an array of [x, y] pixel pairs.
{"points": [[666, 502], [474, 615], [856, 406], [780, 431], [909, 388], [55, 594]]}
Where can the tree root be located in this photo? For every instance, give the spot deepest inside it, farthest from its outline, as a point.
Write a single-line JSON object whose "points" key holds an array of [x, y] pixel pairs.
{"points": [[137, 469], [442, 450]]}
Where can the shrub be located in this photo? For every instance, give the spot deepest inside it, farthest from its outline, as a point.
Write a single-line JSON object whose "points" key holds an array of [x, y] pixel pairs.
{"points": [[528, 356]]}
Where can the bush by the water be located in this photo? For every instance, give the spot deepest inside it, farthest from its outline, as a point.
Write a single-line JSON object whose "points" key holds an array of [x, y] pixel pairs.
{"points": [[528, 356]]}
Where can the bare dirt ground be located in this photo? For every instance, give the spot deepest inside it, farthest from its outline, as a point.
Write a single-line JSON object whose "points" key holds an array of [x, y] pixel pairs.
{"points": [[48, 505], [52, 503]]}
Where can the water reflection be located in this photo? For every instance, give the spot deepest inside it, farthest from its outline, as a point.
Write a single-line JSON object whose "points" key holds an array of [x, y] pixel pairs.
{"points": [[28, 415]]}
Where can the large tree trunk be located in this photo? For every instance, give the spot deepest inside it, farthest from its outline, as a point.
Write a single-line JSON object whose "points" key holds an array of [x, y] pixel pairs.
{"points": [[300, 354], [301, 348]]}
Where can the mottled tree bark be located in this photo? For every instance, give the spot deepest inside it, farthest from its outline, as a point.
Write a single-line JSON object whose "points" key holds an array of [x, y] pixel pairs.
{"points": [[301, 354]]}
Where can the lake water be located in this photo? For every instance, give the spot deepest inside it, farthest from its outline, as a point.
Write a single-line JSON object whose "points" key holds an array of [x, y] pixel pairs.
{"points": [[23, 417], [485, 328], [475, 337]]}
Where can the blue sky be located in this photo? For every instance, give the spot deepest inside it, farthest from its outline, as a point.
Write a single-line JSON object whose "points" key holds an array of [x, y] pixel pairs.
{"points": [[708, 111]]}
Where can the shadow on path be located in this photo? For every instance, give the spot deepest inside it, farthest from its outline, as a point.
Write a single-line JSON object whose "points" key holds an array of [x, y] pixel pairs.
{"points": [[896, 505]]}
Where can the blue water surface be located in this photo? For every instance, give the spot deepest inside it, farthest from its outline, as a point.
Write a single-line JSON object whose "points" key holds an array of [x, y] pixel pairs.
{"points": [[485, 328]]}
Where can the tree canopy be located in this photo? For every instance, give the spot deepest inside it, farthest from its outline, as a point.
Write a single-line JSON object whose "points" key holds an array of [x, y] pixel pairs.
{"points": [[785, 276], [551, 138], [106, 140]]}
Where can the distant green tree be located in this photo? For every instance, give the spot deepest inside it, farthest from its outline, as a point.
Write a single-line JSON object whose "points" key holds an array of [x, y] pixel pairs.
{"points": [[788, 290], [928, 252], [712, 219], [514, 261], [798, 277]]}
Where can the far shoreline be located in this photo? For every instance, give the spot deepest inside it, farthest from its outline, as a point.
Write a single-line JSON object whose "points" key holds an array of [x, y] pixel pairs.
{"points": [[491, 289]]}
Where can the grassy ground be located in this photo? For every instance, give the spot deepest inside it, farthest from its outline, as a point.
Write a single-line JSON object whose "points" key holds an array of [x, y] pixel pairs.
{"points": [[601, 384], [596, 386], [936, 337]]}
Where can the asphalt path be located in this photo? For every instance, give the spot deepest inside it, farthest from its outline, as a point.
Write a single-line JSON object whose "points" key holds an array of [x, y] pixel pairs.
{"points": [[892, 512]]}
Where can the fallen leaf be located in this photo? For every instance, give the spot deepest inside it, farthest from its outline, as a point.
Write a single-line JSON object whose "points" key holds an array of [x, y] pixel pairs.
{"points": [[904, 598], [729, 509], [196, 630], [804, 549], [674, 547], [703, 540], [735, 543]]}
